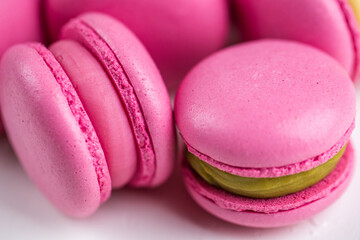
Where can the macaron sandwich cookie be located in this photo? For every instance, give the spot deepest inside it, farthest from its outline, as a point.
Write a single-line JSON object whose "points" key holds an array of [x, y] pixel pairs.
{"points": [[267, 127], [330, 25], [88, 115]]}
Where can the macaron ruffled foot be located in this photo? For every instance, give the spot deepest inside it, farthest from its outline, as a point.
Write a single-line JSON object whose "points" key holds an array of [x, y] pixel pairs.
{"points": [[263, 187]]}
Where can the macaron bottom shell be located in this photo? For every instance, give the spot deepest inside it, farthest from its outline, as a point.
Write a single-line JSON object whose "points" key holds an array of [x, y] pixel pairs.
{"points": [[274, 212]]}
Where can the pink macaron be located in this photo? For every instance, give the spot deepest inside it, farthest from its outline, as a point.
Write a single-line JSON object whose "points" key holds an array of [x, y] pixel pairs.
{"points": [[88, 115], [262, 111], [329, 25], [177, 35]]}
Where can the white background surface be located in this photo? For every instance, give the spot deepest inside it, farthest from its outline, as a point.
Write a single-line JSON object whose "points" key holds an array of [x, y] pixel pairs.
{"points": [[164, 213]]}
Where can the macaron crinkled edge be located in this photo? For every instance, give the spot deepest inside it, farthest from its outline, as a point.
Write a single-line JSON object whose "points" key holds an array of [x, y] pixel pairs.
{"points": [[263, 187], [75, 105], [289, 202], [279, 171]]}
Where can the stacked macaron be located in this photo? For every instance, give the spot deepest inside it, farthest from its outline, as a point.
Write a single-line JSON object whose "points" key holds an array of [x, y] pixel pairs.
{"points": [[267, 130], [267, 126]]}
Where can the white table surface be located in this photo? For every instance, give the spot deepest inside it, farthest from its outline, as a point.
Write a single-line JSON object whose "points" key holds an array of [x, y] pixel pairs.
{"points": [[163, 213]]}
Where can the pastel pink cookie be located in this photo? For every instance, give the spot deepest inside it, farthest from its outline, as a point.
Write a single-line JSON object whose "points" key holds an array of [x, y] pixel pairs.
{"points": [[177, 36], [88, 115], [329, 25], [263, 109]]}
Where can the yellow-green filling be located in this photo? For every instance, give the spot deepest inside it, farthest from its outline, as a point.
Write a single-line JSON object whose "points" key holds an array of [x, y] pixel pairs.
{"points": [[355, 4], [262, 187]]}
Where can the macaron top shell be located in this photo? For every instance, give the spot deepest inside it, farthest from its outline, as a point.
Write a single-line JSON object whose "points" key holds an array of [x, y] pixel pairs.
{"points": [[268, 103], [329, 25], [176, 35], [51, 133], [139, 85]]}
